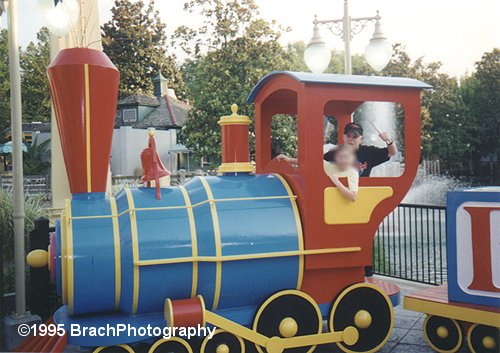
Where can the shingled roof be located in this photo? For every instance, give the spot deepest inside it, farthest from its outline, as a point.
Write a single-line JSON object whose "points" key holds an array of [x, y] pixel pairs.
{"points": [[168, 112]]}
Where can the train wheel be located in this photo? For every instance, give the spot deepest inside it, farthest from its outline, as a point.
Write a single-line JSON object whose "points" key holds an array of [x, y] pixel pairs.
{"points": [[367, 308], [443, 335], [287, 314], [171, 345], [483, 339], [119, 348], [223, 342]]}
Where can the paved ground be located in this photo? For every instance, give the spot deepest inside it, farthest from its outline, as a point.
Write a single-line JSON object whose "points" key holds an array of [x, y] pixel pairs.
{"points": [[407, 336]]}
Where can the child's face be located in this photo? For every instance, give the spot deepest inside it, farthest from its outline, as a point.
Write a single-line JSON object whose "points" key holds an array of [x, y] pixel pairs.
{"points": [[344, 159]]}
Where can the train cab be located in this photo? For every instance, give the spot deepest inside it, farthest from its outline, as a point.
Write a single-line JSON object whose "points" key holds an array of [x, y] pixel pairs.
{"points": [[330, 221]]}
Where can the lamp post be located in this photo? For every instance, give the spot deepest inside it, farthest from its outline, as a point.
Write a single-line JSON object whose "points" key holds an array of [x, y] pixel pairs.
{"points": [[378, 52], [17, 155]]}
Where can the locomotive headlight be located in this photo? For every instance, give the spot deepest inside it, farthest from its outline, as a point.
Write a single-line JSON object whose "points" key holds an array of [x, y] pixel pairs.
{"points": [[59, 15], [378, 53], [317, 54]]}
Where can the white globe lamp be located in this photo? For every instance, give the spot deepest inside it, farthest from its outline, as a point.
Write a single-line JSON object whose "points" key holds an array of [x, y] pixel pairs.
{"points": [[59, 15], [378, 53], [317, 55]]}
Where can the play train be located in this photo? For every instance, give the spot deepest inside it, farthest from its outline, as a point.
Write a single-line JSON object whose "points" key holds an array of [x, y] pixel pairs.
{"points": [[264, 253], [469, 304]]}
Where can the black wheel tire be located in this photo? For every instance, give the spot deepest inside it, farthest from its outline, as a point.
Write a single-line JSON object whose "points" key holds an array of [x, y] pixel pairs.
{"points": [[369, 298], [234, 344], [289, 304], [483, 339], [448, 341], [171, 345]]}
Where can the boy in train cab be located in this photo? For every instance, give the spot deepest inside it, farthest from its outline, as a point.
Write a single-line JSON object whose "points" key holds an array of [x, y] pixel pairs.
{"points": [[344, 165]]}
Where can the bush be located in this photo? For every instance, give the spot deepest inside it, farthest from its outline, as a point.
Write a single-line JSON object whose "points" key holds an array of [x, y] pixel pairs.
{"points": [[34, 208]]}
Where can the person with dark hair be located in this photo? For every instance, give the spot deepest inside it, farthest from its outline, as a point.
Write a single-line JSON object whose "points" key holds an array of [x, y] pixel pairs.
{"points": [[368, 156]]}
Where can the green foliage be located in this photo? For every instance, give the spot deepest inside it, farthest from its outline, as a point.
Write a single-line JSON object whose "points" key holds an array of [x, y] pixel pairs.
{"points": [[34, 162], [447, 132], [33, 207], [232, 50], [135, 40], [34, 82], [481, 93]]}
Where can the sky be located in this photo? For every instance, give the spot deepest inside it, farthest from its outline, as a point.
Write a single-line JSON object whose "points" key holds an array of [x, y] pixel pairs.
{"points": [[455, 32]]}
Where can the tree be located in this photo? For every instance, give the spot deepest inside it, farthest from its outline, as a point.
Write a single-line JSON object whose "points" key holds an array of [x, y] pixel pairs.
{"points": [[4, 85], [35, 159], [232, 50], [481, 94], [34, 83], [135, 40]]}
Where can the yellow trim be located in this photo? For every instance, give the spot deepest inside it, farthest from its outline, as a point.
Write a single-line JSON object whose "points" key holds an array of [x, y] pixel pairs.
{"points": [[217, 331], [235, 328], [454, 349], [174, 339], [238, 120], [194, 240], [236, 167], [135, 249], [124, 346], [234, 118], [165, 208], [453, 312], [87, 127], [342, 295], [242, 257], [203, 307], [350, 334], [339, 210], [302, 340], [300, 235], [69, 260], [218, 245], [168, 312], [64, 269], [116, 243]]}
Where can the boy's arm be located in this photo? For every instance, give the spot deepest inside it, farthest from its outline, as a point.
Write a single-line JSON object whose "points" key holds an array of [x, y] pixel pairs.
{"points": [[346, 192]]}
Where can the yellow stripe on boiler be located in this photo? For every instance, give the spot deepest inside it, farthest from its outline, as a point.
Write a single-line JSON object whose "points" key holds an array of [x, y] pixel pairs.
{"points": [[116, 240], [69, 258], [194, 240], [217, 240], [300, 236], [135, 249]]}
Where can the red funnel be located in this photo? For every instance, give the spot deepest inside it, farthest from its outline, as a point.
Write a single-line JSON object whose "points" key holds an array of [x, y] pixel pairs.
{"points": [[84, 86]]}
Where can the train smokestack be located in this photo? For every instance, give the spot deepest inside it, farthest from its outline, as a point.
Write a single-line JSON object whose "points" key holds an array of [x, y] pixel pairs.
{"points": [[84, 86], [235, 145]]}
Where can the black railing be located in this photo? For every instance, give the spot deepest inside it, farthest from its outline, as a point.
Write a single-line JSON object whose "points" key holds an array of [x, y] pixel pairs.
{"points": [[410, 244]]}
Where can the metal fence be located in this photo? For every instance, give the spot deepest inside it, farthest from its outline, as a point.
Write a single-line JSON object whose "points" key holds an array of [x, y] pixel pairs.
{"points": [[410, 244], [33, 184]]}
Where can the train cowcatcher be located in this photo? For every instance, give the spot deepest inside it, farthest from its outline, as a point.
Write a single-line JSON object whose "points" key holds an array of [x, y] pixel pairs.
{"points": [[265, 252]]}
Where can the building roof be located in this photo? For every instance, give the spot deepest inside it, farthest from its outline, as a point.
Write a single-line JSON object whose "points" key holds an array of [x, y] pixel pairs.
{"points": [[139, 99], [170, 113], [334, 79]]}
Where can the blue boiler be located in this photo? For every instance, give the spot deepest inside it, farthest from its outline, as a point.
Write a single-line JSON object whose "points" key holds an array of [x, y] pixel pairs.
{"points": [[234, 240]]}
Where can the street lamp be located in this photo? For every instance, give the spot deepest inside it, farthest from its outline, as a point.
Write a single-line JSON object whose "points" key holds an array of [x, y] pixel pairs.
{"points": [[59, 15], [377, 54]]}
